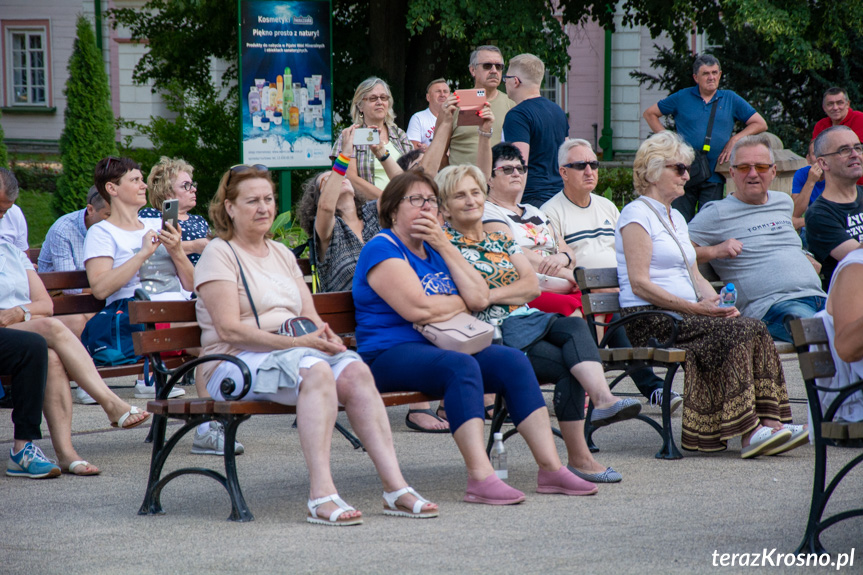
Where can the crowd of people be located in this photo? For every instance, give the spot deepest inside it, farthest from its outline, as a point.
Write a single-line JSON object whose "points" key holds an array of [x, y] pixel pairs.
{"points": [[489, 219]]}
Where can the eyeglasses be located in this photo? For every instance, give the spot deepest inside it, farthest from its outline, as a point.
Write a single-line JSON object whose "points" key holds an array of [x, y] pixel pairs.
{"points": [[505, 78], [189, 185], [845, 151], [374, 99], [580, 166], [489, 65], [681, 168], [420, 202], [508, 170], [760, 168], [240, 168]]}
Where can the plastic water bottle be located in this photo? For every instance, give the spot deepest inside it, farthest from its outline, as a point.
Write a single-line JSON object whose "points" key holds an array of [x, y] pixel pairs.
{"points": [[498, 456], [728, 296]]}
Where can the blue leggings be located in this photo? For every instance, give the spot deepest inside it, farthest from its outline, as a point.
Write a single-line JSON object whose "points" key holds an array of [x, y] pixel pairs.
{"points": [[461, 379]]}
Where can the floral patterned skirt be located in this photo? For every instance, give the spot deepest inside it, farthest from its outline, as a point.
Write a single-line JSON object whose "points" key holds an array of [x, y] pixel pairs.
{"points": [[733, 375]]}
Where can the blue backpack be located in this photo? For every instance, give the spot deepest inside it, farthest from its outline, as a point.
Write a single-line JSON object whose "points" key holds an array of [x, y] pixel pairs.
{"points": [[108, 335]]}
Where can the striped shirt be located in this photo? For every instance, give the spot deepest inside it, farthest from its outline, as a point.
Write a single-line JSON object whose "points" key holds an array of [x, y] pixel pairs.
{"points": [[588, 231]]}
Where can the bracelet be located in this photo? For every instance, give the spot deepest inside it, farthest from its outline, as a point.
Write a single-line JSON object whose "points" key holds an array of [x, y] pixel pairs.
{"points": [[340, 166], [384, 158], [485, 134], [568, 259]]}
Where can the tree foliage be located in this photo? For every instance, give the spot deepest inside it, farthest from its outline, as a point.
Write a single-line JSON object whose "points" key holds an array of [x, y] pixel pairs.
{"points": [[88, 132]]}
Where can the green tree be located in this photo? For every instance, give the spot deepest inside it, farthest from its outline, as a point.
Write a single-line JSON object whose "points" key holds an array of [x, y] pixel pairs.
{"points": [[4, 158], [88, 134]]}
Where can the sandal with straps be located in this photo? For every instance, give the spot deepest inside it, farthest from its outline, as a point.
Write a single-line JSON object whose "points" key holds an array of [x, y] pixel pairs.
{"points": [[335, 516], [396, 509]]}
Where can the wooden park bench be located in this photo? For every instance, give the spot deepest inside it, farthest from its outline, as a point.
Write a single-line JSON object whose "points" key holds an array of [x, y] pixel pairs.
{"points": [[816, 362], [337, 309]]}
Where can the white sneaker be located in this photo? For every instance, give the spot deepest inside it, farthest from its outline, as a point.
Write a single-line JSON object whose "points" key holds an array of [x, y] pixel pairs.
{"points": [[656, 400], [144, 391], [82, 397], [213, 441]]}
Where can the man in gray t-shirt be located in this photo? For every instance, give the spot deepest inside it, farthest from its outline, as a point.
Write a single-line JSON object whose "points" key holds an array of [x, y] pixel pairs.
{"points": [[750, 240]]}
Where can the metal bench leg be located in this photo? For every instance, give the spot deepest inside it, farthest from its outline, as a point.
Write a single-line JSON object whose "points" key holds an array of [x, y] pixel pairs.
{"points": [[157, 430], [669, 448], [239, 509], [353, 439]]}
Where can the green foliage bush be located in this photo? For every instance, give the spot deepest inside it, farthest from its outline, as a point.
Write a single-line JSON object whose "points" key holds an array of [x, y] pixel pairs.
{"points": [[88, 135], [616, 185], [34, 176]]}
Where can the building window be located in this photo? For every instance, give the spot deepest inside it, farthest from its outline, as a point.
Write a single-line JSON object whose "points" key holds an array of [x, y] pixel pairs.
{"points": [[551, 89], [27, 60]]}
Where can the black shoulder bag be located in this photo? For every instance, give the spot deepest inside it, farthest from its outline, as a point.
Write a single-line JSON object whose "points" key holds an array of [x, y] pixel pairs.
{"points": [[700, 170]]}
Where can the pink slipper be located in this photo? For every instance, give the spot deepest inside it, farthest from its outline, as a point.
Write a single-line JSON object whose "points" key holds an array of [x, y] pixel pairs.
{"points": [[492, 491], [563, 481]]}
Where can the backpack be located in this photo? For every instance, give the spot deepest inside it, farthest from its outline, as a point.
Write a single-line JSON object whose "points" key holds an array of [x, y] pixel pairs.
{"points": [[108, 335]]}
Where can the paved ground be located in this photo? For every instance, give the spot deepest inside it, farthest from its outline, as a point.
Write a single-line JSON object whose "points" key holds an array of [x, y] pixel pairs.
{"points": [[665, 517]]}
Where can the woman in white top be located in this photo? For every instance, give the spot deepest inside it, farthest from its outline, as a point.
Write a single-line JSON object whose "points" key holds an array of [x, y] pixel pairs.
{"points": [[734, 384]]}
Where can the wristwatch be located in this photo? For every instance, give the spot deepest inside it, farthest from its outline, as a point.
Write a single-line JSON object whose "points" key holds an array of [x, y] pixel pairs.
{"points": [[26, 312]]}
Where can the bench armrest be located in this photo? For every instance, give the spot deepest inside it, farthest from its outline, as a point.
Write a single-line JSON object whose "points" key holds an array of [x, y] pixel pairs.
{"points": [[228, 386]]}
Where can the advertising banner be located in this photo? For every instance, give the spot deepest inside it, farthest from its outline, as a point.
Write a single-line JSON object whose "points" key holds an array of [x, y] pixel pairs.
{"points": [[286, 83]]}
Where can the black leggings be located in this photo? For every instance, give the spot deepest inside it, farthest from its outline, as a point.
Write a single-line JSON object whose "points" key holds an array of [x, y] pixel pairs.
{"points": [[567, 343], [24, 355]]}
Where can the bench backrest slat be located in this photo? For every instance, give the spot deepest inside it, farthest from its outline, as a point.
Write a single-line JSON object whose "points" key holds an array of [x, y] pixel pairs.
{"points": [[153, 341], [816, 364], [64, 280], [595, 303], [162, 311], [337, 309], [808, 331], [596, 278]]}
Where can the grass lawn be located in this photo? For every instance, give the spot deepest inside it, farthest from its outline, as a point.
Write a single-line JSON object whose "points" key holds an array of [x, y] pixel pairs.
{"points": [[37, 209]]}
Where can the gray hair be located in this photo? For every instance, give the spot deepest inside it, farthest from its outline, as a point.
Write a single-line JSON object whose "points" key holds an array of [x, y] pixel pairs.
{"points": [[705, 60], [487, 48], [653, 154], [751, 142], [95, 199], [567, 145], [362, 91], [821, 140], [835, 91], [8, 184]]}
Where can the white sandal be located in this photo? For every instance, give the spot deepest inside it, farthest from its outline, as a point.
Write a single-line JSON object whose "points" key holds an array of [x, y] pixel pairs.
{"points": [[395, 509], [334, 516]]}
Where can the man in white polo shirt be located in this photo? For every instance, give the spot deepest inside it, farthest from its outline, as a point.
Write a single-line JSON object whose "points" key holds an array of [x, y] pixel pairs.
{"points": [[421, 127], [586, 222]]}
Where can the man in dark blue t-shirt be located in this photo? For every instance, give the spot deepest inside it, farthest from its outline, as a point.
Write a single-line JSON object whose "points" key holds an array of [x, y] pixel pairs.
{"points": [[691, 110], [536, 126]]}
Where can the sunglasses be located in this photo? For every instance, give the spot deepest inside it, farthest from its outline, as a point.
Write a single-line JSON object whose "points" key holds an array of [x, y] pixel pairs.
{"points": [[681, 168], [189, 185], [508, 170], [760, 168], [580, 166], [489, 65], [240, 168]]}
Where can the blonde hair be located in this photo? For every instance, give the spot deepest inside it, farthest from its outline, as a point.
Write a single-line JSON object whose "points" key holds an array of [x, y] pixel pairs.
{"points": [[160, 182], [652, 156], [448, 178], [528, 68], [365, 87], [223, 226]]}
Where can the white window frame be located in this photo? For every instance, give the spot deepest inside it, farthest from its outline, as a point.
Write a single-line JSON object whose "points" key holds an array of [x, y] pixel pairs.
{"points": [[30, 29], [551, 89]]}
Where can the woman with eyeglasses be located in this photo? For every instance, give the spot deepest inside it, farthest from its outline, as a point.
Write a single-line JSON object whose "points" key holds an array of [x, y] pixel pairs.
{"points": [[371, 107], [531, 229], [734, 384], [169, 179], [249, 286], [410, 274]]}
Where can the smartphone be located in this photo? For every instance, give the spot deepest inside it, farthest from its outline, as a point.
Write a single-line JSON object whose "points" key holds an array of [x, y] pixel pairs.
{"points": [[366, 136], [170, 212], [469, 102]]}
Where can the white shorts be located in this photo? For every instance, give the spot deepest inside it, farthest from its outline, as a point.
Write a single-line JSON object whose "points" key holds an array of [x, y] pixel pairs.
{"points": [[253, 359]]}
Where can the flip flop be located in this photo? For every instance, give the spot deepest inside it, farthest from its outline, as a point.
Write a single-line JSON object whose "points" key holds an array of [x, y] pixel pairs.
{"points": [[440, 412], [90, 469], [417, 427], [132, 411]]}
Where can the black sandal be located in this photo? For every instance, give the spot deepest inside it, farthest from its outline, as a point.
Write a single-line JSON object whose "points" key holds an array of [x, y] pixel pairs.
{"points": [[415, 427]]}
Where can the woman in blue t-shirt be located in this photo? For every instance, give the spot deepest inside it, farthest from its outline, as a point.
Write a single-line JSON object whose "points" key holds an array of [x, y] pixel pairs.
{"points": [[411, 274]]}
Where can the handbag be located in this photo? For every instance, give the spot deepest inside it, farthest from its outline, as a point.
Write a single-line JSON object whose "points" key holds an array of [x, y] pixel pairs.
{"points": [[699, 171], [108, 335], [462, 333]]}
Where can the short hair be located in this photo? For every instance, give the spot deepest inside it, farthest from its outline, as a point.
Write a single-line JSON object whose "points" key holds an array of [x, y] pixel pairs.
{"points": [[160, 182], [750, 142], [505, 151], [834, 91], [436, 81], [407, 159], [112, 169], [228, 190], [308, 208], [652, 156], [95, 199], [705, 60], [8, 184], [474, 56], [362, 91], [567, 145], [529, 67], [821, 139], [397, 189], [450, 177]]}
